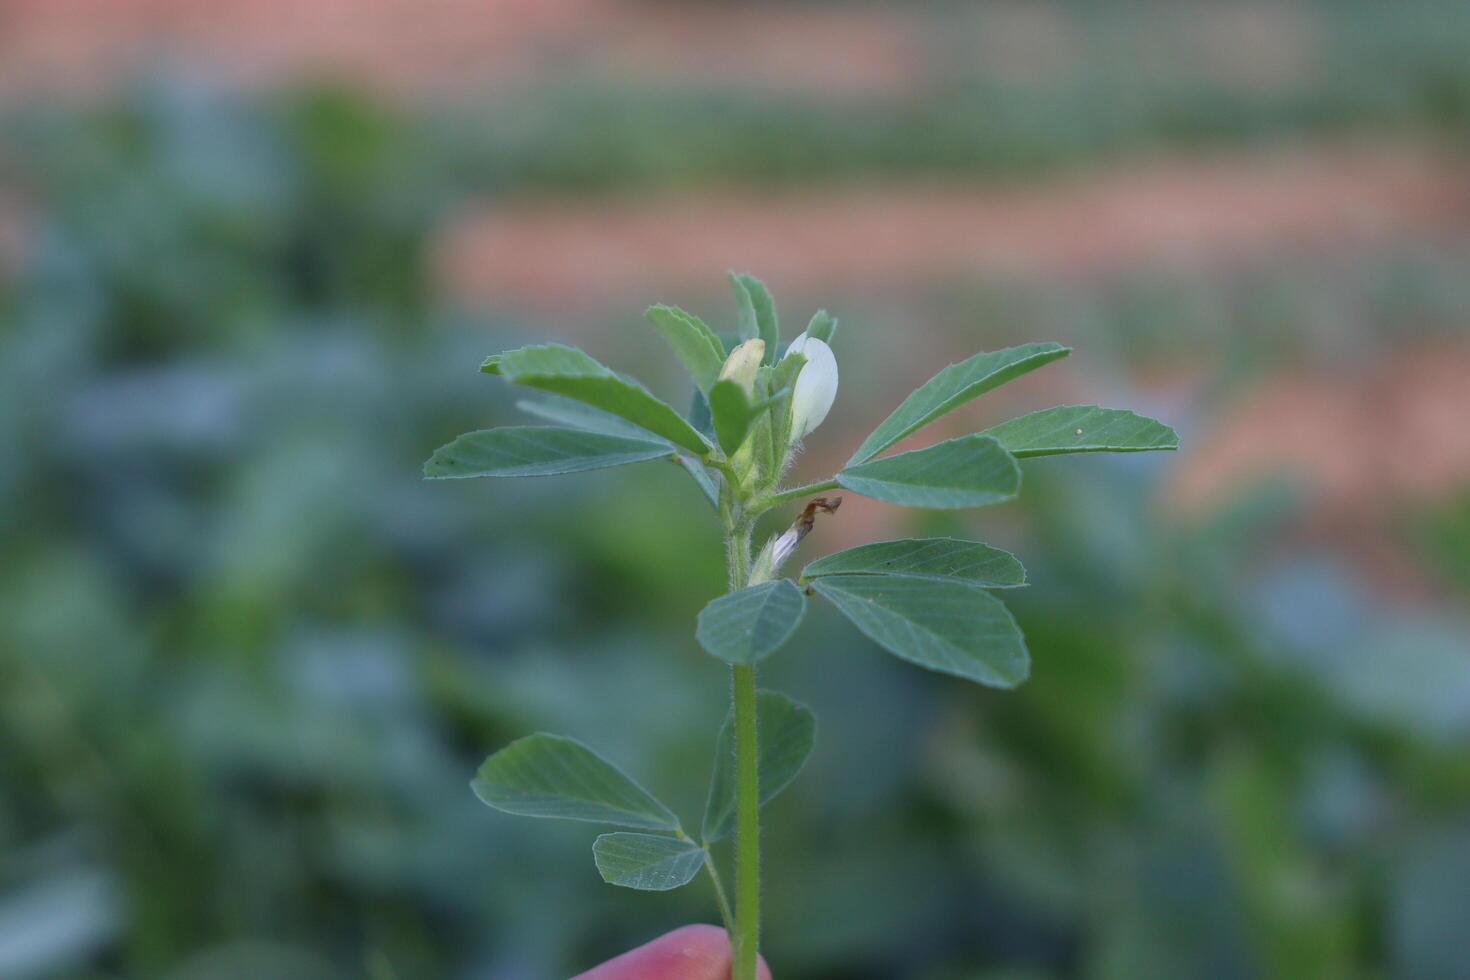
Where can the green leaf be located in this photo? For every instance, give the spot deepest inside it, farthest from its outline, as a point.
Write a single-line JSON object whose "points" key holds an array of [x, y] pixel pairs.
{"points": [[564, 411], [553, 776], [781, 378], [786, 729], [751, 461], [733, 414], [748, 625], [823, 327], [570, 372], [702, 478], [699, 414], [647, 862], [579, 416], [536, 450], [694, 343], [1082, 429], [925, 558], [757, 312], [491, 364], [952, 387], [950, 626], [970, 471]]}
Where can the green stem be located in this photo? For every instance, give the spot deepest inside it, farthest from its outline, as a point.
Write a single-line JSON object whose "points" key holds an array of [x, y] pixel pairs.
{"points": [[795, 493], [745, 939], [747, 826], [714, 876], [732, 480]]}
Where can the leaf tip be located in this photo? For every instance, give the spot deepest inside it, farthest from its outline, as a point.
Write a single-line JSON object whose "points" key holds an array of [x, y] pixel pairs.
{"points": [[434, 467]]}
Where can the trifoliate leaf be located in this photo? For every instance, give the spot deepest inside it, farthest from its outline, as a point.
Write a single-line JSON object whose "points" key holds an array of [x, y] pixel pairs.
{"points": [[570, 372], [951, 626], [1082, 429], [748, 625], [925, 558], [757, 312], [694, 343], [971, 471], [537, 450], [576, 415], [952, 387], [553, 776], [647, 862]]}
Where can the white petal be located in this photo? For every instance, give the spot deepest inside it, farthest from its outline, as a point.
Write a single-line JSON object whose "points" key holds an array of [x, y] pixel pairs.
{"points": [[784, 546], [816, 385], [743, 363]]}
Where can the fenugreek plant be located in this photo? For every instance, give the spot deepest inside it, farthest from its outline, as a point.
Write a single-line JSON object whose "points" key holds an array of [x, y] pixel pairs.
{"points": [[926, 600]]}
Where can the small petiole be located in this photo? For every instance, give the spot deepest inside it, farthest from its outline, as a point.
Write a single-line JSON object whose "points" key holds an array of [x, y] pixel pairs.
{"points": [[714, 876], [787, 496]]}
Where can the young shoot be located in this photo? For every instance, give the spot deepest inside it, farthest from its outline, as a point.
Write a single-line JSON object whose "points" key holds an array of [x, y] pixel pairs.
{"points": [[927, 600]]}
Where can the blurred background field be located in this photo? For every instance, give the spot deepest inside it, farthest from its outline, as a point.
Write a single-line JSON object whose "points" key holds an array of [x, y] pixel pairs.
{"points": [[251, 254]]}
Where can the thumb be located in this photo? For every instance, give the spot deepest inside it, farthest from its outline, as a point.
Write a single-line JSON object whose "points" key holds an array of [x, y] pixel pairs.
{"points": [[691, 953]]}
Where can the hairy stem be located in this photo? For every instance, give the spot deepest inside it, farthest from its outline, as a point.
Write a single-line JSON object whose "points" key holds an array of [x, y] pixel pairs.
{"points": [[747, 826], [746, 938], [795, 493], [714, 876]]}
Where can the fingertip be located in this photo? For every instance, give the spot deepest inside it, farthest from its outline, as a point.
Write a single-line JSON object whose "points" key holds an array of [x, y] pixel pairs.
{"points": [[695, 952], [701, 934], [711, 941]]}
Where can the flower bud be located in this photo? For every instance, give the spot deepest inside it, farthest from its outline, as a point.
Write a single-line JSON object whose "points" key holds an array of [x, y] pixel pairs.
{"points": [[816, 385], [780, 548], [743, 363]]}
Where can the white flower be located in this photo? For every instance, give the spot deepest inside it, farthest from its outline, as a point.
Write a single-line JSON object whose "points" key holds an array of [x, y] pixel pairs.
{"points": [[816, 385], [784, 546], [778, 549], [743, 363]]}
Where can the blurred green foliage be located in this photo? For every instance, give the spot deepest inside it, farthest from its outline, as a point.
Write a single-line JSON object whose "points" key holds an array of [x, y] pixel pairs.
{"points": [[248, 661], [998, 91]]}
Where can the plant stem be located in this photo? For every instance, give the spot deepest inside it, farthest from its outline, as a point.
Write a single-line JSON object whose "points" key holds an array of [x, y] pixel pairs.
{"points": [[747, 826], [714, 876], [746, 938], [795, 493]]}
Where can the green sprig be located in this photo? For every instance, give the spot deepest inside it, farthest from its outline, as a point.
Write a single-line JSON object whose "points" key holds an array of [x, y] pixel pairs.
{"points": [[927, 601]]}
